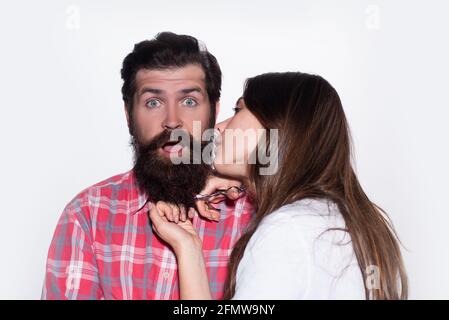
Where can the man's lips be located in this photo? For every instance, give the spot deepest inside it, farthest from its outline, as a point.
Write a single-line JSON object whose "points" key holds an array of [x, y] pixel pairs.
{"points": [[168, 149]]}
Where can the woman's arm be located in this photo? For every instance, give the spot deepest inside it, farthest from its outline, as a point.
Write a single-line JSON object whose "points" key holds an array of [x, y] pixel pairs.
{"points": [[193, 280], [182, 237]]}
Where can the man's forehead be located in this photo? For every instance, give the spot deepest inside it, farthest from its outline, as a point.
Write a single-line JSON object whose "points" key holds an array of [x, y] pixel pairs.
{"points": [[171, 77]]}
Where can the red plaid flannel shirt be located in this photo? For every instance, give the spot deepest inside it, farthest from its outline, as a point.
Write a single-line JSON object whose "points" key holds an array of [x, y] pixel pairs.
{"points": [[104, 247]]}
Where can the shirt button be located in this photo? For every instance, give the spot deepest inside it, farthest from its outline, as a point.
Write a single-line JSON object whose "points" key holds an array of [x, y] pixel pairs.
{"points": [[166, 275]]}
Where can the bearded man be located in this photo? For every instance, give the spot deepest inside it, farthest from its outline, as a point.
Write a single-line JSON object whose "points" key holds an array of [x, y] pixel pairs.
{"points": [[104, 246]]}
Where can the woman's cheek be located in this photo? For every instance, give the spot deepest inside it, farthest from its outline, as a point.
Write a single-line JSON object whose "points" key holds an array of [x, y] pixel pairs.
{"points": [[224, 161]]}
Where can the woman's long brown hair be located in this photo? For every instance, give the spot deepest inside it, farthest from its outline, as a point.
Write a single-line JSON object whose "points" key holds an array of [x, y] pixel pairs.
{"points": [[315, 162]]}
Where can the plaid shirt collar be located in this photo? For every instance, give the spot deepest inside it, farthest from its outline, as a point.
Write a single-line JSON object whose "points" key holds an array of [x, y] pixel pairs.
{"points": [[138, 200]]}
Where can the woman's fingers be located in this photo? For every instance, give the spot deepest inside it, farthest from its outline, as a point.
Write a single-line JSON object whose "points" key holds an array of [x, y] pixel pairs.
{"points": [[217, 199], [214, 213], [202, 209], [214, 183], [175, 213], [157, 214], [191, 213], [206, 210], [164, 210], [233, 194], [172, 212], [183, 213], [175, 234], [178, 213]]}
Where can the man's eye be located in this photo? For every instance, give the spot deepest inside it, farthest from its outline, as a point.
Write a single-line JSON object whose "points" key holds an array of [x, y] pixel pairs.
{"points": [[189, 102], [153, 103]]}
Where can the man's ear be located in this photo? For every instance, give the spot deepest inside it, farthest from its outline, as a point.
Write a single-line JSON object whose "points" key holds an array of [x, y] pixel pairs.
{"points": [[127, 118], [217, 110], [126, 113]]}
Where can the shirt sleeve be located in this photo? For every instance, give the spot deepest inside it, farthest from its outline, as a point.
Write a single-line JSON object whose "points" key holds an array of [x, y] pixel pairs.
{"points": [[71, 271], [275, 265]]}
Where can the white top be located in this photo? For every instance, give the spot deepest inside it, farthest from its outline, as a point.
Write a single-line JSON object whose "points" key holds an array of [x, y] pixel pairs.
{"points": [[291, 256]]}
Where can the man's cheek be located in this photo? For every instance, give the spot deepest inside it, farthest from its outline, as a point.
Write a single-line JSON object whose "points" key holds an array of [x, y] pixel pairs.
{"points": [[147, 133]]}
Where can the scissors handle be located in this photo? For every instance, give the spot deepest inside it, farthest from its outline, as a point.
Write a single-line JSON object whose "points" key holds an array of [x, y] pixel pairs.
{"points": [[219, 192]]}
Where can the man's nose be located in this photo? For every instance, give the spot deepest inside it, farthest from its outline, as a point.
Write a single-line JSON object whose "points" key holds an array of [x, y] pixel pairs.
{"points": [[172, 120]]}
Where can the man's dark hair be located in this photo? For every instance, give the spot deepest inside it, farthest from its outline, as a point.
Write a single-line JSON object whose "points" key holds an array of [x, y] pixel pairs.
{"points": [[168, 50]]}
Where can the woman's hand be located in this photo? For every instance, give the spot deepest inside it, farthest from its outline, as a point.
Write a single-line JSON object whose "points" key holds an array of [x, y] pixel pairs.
{"points": [[173, 225], [214, 183]]}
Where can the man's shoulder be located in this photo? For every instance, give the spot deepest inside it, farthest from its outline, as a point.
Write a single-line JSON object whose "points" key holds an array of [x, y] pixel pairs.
{"points": [[122, 180], [115, 188]]}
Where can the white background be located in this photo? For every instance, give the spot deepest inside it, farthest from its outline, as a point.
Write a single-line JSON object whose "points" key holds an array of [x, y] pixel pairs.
{"points": [[63, 128]]}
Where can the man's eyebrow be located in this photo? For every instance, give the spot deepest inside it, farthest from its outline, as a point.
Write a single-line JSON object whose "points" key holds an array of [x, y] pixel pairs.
{"points": [[193, 89], [150, 90]]}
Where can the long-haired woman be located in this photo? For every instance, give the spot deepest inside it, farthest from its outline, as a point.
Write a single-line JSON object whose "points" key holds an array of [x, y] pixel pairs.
{"points": [[315, 234]]}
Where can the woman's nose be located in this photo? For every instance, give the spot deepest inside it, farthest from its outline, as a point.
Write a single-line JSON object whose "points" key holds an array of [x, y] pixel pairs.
{"points": [[222, 125]]}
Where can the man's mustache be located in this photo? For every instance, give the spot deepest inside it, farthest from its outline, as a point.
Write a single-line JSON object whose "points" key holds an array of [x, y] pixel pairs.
{"points": [[183, 137], [165, 180]]}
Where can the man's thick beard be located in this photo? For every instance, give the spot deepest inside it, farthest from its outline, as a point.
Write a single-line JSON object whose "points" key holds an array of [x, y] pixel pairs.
{"points": [[162, 180]]}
